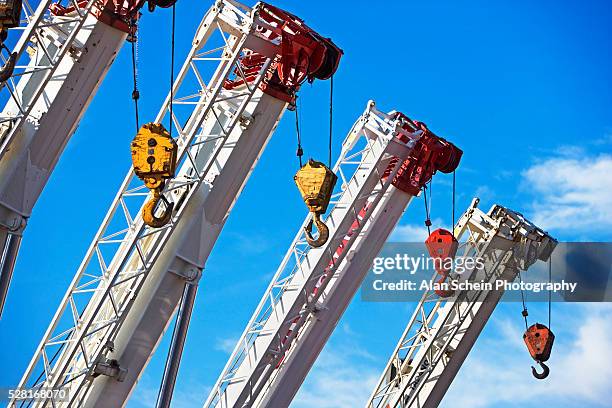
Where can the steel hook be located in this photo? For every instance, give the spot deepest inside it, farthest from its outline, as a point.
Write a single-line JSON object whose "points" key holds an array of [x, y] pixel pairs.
{"points": [[543, 374], [148, 211], [323, 231]]}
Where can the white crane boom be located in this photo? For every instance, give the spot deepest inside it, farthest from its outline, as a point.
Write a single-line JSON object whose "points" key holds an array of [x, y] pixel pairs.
{"points": [[241, 73], [384, 161], [442, 331], [62, 57]]}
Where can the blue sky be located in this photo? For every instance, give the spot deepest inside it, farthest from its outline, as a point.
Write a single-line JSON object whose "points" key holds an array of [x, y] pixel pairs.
{"points": [[521, 87]]}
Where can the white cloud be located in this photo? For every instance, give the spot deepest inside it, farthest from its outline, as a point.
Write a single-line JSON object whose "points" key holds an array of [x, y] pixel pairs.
{"points": [[572, 194], [504, 175], [188, 393], [485, 193], [226, 344], [253, 243], [341, 378], [192, 395], [607, 139], [412, 232], [497, 371], [145, 394]]}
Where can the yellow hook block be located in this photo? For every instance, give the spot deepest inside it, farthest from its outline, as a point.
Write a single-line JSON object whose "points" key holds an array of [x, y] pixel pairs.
{"points": [[316, 183], [154, 155]]}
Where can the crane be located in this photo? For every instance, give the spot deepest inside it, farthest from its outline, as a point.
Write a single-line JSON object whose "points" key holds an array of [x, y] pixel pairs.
{"points": [[384, 162], [243, 70], [442, 330], [60, 60]]}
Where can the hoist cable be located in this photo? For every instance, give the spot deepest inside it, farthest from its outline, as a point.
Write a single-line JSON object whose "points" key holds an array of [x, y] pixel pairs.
{"points": [[427, 220], [454, 183], [430, 199], [299, 152], [172, 70], [524, 312], [331, 115], [549, 290], [135, 92]]}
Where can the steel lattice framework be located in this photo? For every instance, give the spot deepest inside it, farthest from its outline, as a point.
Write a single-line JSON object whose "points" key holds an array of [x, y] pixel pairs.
{"points": [[61, 58], [294, 295], [74, 348], [442, 331], [50, 52]]}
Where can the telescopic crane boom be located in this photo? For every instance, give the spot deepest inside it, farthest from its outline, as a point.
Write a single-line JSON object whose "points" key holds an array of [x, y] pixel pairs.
{"points": [[61, 59], [244, 69], [385, 161], [442, 331]]}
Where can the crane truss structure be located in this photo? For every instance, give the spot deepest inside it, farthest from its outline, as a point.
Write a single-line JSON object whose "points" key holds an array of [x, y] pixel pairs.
{"points": [[208, 119], [49, 38], [62, 56], [312, 286], [442, 331]]}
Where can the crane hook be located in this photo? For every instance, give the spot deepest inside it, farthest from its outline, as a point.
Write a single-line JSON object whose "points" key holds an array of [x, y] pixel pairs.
{"points": [[148, 211], [316, 183], [154, 159], [539, 340], [323, 231], [543, 374]]}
